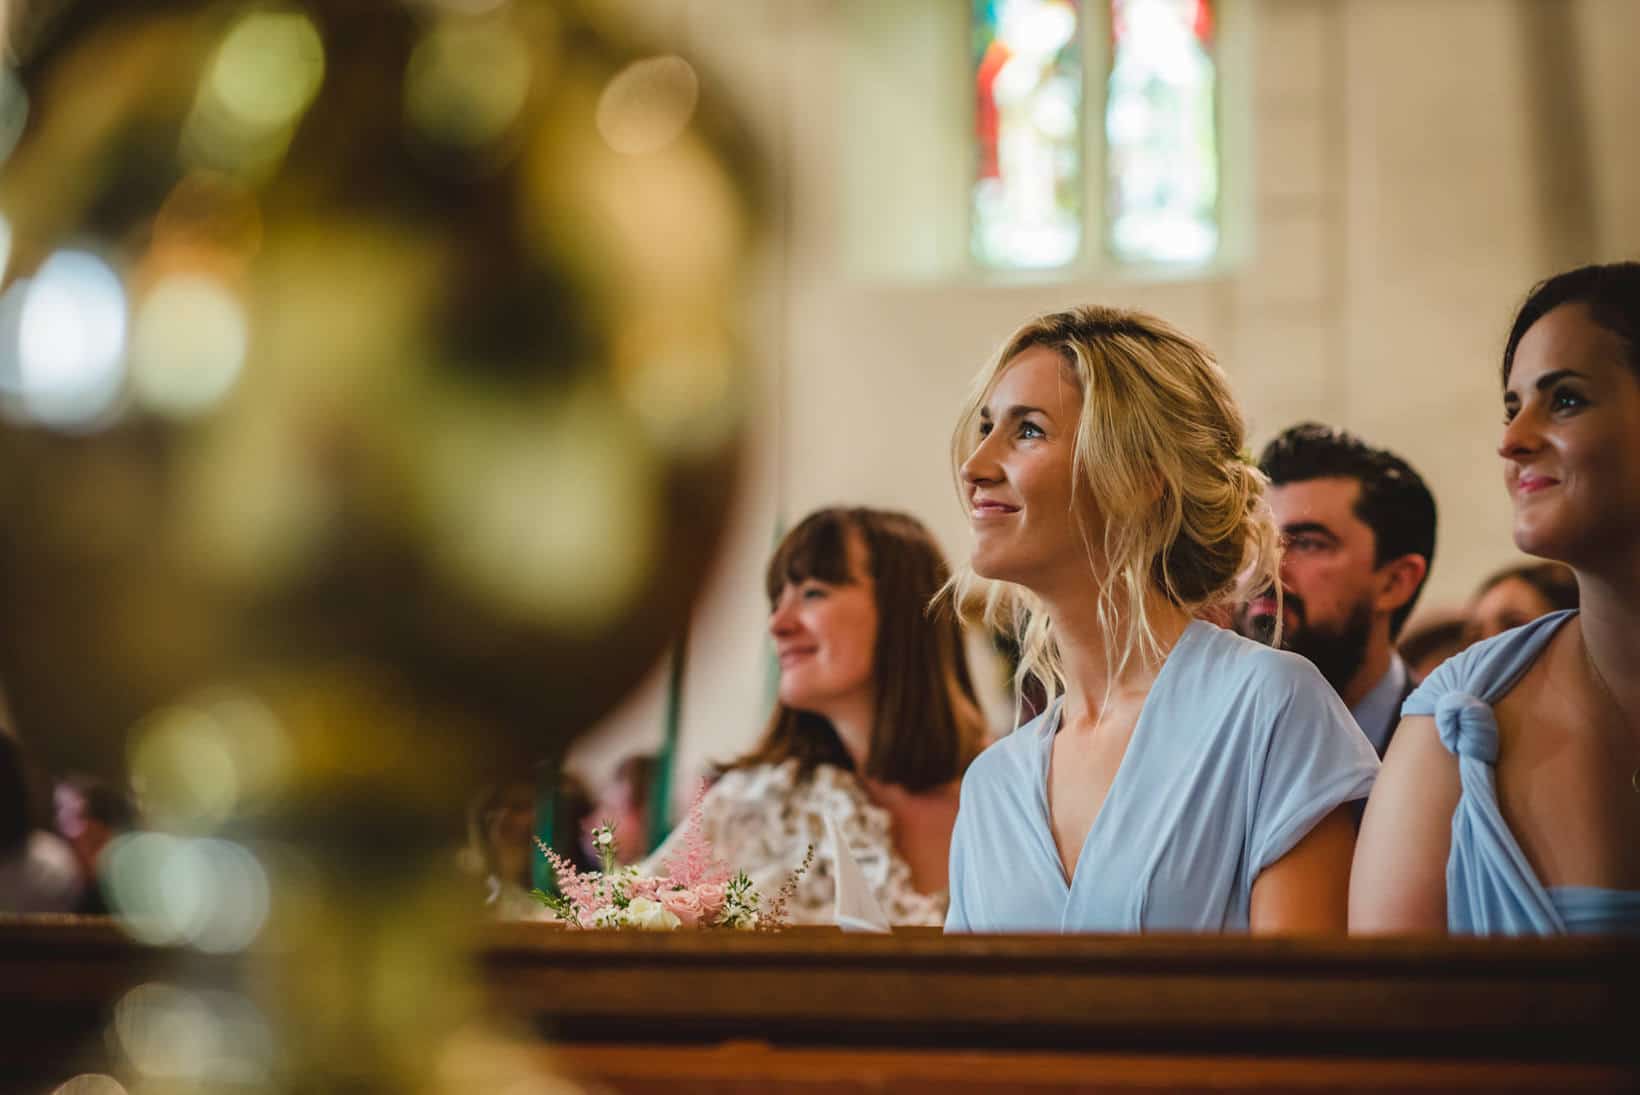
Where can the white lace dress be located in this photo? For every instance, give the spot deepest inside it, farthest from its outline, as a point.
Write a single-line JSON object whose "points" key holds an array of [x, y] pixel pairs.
{"points": [[761, 820]]}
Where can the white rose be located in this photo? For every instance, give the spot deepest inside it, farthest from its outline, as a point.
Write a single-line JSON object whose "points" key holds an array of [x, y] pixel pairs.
{"points": [[650, 916]]}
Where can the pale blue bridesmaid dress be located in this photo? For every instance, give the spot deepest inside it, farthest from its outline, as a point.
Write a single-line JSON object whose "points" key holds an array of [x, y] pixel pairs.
{"points": [[1490, 887], [1239, 751]]}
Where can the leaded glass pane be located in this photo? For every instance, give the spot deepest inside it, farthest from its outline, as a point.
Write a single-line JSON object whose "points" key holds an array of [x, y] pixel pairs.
{"points": [[1162, 156], [1027, 195]]}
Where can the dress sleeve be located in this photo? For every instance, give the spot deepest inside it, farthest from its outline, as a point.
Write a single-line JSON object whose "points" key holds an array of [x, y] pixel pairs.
{"points": [[1446, 677], [1315, 760], [1487, 669]]}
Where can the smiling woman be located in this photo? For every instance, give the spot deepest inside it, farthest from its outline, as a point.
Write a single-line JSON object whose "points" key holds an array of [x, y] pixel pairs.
{"points": [[1187, 779], [1511, 794], [875, 724]]}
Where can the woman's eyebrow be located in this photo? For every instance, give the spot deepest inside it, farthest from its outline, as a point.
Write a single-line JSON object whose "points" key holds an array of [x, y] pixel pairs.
{"points": [[1017, 411]]}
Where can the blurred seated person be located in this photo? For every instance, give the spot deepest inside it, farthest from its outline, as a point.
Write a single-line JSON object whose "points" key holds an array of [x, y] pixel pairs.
{"points": [[38, 872], [624, 803], [1431, 641], [876, 721], [1358, 537], [1518, 595], [1510, 801], [501, 844], [89, 815]]}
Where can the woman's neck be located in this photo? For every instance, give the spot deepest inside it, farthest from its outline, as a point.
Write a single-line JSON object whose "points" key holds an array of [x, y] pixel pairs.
{"points": [[1096, 674], [892, 796], [1608, 611], [853, 719]]}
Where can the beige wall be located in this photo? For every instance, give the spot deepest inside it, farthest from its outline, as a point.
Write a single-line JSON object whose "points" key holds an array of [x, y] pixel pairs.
{"points": [[1402, 171]]}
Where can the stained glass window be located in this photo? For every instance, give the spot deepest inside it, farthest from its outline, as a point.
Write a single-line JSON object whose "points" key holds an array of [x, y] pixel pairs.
{"points": [[1026, 209], [1162, 159], [1160, 131]]}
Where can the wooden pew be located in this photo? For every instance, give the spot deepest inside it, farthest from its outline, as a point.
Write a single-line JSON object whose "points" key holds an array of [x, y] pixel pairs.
{"points": [[823, 1011], [815, 1010]]}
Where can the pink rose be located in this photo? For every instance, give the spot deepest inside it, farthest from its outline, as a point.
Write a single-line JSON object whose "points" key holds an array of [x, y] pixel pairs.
{"points": [[684, 905], [711, 897]]}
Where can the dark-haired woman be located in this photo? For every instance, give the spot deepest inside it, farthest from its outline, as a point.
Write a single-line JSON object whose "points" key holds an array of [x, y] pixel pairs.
{"points": [[1510, 799], [876, 721]]}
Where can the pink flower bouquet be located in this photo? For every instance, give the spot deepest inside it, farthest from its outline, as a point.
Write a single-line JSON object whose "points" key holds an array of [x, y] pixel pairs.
{"points": [[695, 890]]}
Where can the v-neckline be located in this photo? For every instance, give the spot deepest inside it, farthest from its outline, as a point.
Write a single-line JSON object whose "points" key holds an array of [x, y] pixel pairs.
{"points": [[1068, 881]]}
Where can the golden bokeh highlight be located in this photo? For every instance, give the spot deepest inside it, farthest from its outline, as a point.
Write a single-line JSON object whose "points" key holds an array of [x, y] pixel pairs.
{"points": [[648, 105], [188, 345], [212, 1038], [678, 378], [550, 516], [264, 75], [268, 68], [198, 762], [208, 226], [467, 82]]}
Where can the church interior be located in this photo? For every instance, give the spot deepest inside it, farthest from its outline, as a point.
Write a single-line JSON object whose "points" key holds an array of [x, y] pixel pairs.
{"points": [[437, 438]]}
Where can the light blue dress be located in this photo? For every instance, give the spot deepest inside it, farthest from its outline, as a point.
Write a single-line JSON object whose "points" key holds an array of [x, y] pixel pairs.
{"points": [[1238, 752], [1491, 889]]}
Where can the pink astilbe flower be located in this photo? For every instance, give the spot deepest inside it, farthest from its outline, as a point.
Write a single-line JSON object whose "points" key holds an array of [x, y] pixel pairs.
{"points": [[693, 864], [580, 889]]}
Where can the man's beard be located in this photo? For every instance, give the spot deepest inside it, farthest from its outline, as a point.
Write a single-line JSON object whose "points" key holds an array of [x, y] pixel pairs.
{"points": [[1338, 653]]}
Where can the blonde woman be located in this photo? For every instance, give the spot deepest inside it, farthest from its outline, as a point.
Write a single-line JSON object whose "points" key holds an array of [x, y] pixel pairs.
{"points": [[1183, 778]]}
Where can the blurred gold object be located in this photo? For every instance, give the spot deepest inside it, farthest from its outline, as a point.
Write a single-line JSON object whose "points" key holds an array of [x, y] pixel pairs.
{"points": [[369, 408]]}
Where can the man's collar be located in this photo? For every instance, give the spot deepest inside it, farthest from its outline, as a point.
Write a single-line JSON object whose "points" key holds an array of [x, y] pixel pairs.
{"points": [[1379, 709]]}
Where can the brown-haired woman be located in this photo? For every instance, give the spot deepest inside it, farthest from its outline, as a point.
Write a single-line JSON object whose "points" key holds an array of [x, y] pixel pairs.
{"points": [[875, 724], [1516, 596]]}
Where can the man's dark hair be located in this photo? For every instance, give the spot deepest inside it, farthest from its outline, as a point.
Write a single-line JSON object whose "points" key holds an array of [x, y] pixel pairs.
{"points": [[1394, 502]]}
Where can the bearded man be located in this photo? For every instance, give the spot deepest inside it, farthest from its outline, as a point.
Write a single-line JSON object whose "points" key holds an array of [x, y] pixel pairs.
{"points": [[1358, 532]]}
